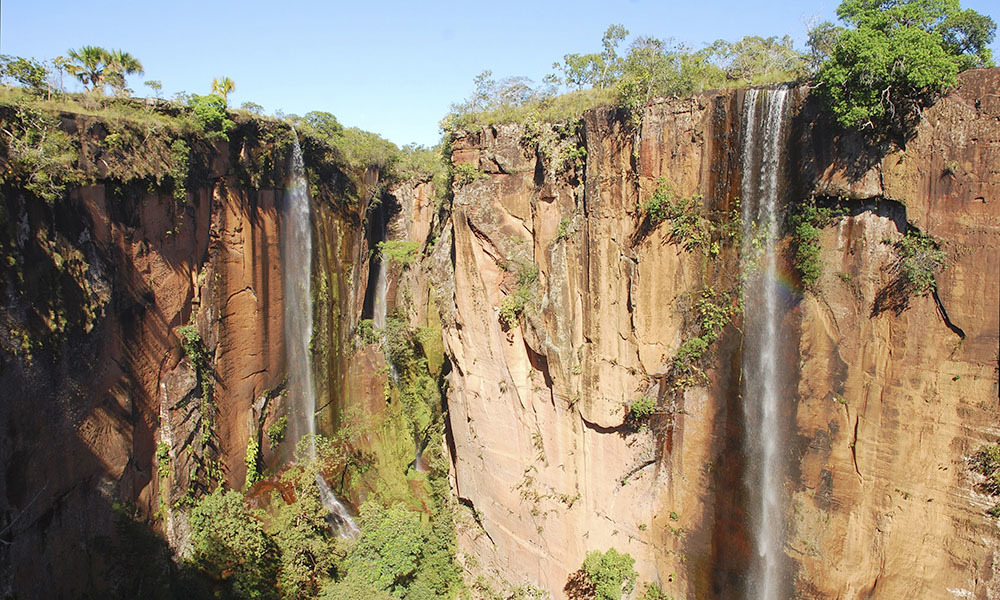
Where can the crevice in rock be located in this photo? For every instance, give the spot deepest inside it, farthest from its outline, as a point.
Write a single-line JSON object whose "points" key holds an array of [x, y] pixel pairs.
{"points": [[854, 447], [944, 314], [466, 502], [624, 479]]}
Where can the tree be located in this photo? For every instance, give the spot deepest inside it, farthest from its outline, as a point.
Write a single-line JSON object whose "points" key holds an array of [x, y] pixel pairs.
{"points": [[120, 64], [27, 71], [223, 87], [822, 40], [610, 63], [155, 85], [581, 70], [611, 573], [229, 542], [88, 65], [757, 59], [898, 58]]}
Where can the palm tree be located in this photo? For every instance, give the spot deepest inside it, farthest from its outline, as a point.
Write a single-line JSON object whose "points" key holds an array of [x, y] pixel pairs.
{"points": [[223, 87], [120, 64], [88, 65]]}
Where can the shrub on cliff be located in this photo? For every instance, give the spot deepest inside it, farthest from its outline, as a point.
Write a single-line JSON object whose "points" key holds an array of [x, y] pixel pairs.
{"points": [[898, 58], [210, 113], [611, 573]]}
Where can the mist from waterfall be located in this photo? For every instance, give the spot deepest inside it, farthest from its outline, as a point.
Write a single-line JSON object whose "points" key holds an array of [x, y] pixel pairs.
{"points": [[764, 125], [296, 260]]}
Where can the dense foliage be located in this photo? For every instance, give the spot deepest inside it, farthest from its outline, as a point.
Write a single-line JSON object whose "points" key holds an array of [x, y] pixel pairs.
{"points": [[897, 57], [611, 573]]}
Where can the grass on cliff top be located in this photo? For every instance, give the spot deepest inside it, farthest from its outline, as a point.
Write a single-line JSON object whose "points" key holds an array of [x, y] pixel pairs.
{"points": [[564, 108]]}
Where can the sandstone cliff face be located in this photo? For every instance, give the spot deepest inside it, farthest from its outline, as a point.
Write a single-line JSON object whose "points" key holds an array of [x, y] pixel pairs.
{"points": [[116, 414], [889, 404]]}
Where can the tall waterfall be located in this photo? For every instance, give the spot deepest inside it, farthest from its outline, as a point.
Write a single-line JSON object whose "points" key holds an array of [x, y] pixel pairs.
{"points": [[296, 259], [764, 123]]}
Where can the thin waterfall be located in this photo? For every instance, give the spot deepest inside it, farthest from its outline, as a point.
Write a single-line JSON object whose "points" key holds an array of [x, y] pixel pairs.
{"points": [[764, 122], [379, 306], [296, 259], [339, 519]]}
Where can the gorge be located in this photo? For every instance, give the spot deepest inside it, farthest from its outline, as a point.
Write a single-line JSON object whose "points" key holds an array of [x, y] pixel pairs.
{"points": [[484, 348]]}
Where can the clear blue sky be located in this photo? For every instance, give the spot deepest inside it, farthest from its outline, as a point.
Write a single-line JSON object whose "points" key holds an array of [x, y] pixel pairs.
{"points": [[389, 67]]}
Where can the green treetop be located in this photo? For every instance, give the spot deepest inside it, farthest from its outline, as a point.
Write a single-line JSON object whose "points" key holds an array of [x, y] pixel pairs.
{"points": [[898, 57]]}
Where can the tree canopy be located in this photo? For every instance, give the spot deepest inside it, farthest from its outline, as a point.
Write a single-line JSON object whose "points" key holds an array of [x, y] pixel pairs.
{"points": [[897, 57]]}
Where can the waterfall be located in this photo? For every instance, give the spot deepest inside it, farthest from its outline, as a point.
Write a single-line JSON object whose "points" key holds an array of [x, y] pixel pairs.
{"points": [[340, 520], [764, 120], [379, 306], [296, 259]]}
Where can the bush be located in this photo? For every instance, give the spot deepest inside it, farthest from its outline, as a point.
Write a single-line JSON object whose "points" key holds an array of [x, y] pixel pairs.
{"points": [[806, 220], [467, 173], [399, 251], [642, 408], [162, 459], [611, 573], [919, 259], [210, 114], [514, 304], [229, 543], [900, 56], [276, 432]]}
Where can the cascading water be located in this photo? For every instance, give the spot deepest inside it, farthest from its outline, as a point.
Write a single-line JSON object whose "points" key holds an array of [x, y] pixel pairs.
{"points": [[296, 258], [764, 119], [340, 520]]}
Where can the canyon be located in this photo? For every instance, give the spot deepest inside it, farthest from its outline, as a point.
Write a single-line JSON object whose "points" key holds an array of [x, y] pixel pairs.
{"points": [[551, 301]]}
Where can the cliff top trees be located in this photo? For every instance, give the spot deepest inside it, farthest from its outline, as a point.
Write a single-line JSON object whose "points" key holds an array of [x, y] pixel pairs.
{"points": [[96, 67], [899, 57], [223, 87]]}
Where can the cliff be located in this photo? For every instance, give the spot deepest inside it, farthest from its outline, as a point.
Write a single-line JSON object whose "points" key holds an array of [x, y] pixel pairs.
{"points": [[143, 346], [520, 321], [889, 402]]}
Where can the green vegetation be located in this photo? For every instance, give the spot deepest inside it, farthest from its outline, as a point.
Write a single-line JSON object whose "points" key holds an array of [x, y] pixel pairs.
{"points": [[251, 459], [466, 173], [653, 592], [896, 57], [223, 87], [210, 113], [687, 224], [714, 311], [162, 459], [638, 413], [919, 259], [611, 573], [276, 432], [514, 303], [399, 251], [197, 355], [650, 67], [230, 545], [28, 72], [986, 462], [289, 551], [806, 220]]}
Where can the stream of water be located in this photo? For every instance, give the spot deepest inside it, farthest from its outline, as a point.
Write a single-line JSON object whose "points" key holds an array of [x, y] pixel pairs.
{"points": [[764, 123], [296, 258]]}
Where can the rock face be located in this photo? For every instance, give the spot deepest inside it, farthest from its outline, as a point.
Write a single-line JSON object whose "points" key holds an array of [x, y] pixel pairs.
{"points": [[561, 303], [116, 417], [891, 398]]}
